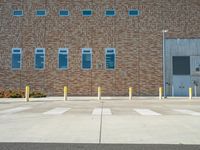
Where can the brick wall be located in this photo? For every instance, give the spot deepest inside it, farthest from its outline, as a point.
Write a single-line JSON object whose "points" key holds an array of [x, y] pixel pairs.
{"points": [[138, 43]]}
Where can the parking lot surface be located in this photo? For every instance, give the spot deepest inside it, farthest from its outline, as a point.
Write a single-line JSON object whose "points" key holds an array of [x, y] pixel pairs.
{"points": [[111, 120]]}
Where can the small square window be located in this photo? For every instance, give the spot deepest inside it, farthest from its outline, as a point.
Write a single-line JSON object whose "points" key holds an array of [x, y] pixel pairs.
{"points": [[133, 12], [87, 12], [181, 65], [110, 12], [18, 13], [40, 12], [63, 12]]}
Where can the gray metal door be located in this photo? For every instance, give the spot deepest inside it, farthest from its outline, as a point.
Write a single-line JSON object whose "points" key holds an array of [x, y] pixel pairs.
{"points": [[181, 85]]}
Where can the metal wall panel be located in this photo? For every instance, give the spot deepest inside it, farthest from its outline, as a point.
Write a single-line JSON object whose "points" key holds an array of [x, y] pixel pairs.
{"points": [[181, 85], [181, 47], [195, 65], [197, 81]]}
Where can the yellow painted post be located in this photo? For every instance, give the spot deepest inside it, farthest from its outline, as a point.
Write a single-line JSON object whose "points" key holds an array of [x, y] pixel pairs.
{"points": [[190, 93], [27, 91], [130, 93], [65, 93], [160, 93], [99, 93]]}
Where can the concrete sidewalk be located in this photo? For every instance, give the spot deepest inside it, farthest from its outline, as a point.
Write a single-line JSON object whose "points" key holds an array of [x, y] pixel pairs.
{"points": [[91, 98]]}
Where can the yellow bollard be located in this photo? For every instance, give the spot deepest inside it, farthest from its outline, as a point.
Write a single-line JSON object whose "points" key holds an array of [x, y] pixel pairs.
{"points": [[130, 93], [65, 93], [99, 93], [27, 91], [160, 93], [190, 93]]}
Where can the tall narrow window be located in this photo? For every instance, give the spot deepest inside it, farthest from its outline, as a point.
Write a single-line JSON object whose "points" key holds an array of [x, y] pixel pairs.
{"points": [[63, 58], [86, 58], [41, 12], [17, 13], [110, 58], [39, 58], [16, 58], [110, 12]]}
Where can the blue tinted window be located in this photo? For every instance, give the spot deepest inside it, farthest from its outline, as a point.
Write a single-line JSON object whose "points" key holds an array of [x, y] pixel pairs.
{"points": [[133, 12], [40, 12], [17, 13], [86, 58], [39, 58], [110, 12], [87, 12], [110, 58], [64, 13], [63, 58], [16, 50], [40, 50], [16, 58]]}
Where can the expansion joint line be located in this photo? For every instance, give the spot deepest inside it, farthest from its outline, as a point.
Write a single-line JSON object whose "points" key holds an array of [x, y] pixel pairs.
{"points": [[101, 120]]}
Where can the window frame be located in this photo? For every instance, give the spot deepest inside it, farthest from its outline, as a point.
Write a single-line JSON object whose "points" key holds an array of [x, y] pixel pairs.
{"points": [[64, 10], [82, 52], [67, 52], [17, 15], [133, 10], [20, 58], [87, 10], [35, 58], [111, 9], [114, 52], [40, 10]]}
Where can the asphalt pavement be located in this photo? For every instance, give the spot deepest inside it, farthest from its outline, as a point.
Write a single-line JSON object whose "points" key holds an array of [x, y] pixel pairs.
{"points": [[65, 146]]}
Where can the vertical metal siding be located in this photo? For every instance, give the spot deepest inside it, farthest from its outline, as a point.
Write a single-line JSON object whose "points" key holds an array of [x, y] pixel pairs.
{"points": [[194, 63], [180, 47]]}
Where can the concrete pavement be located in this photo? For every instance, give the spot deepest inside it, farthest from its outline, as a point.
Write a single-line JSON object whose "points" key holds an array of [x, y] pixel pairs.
{"points": [[107, 121]]}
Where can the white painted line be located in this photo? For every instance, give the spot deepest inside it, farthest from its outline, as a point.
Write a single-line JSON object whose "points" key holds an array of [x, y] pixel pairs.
{"points": [[97, 111], [57, 111], [189, 112], [105, 111], [147, 112], [14, 110]]}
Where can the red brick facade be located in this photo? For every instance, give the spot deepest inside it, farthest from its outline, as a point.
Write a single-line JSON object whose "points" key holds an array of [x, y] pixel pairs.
{"points": [[138, 43]]}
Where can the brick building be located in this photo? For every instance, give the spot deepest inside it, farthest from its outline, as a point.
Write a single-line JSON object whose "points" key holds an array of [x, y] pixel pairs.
{"points": [[84, 44]]}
